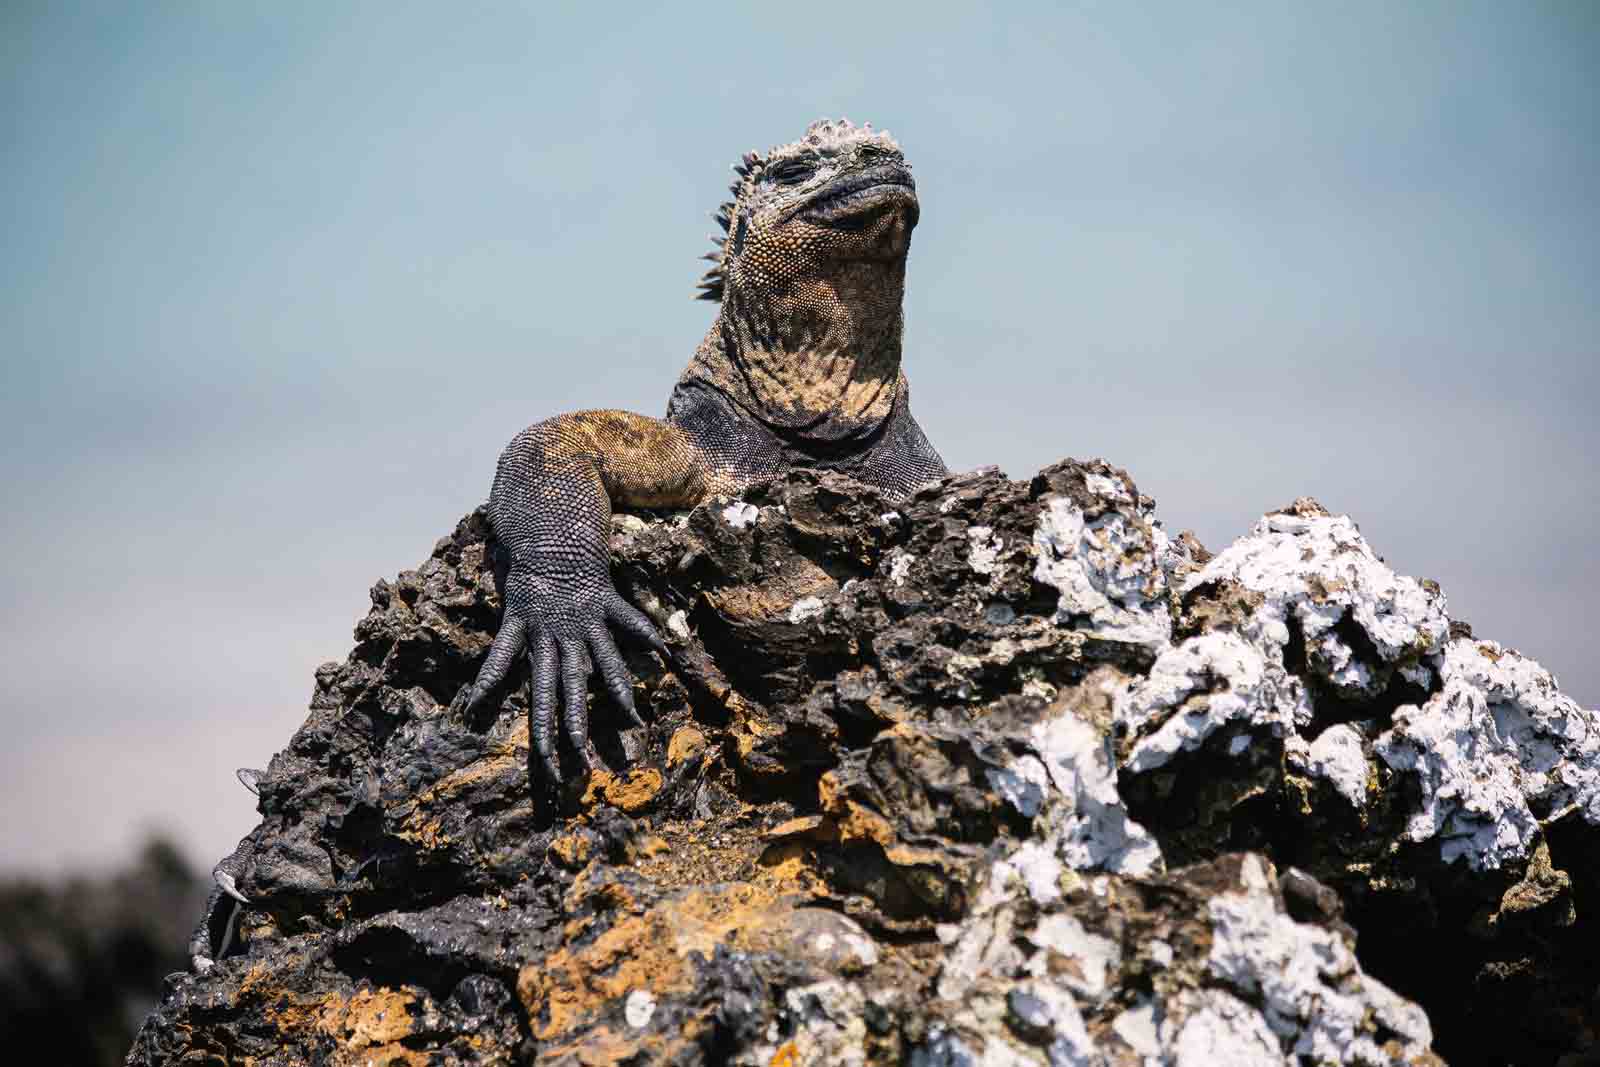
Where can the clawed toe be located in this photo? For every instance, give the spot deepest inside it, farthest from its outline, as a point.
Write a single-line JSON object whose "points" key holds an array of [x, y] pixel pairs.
{"points": [[226, 883]]}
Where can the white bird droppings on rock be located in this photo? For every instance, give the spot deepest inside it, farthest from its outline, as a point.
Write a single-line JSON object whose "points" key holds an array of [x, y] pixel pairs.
{"points": [[1108, 487], [829, 1024], [1095, 831], [1220, 1028], [1106, 571], [1317, 572], [1195, 689], [1496, 736], [1336, 757], [986, 547], [1093, 957], [807, 607], [1139, 1028], [740, 514], [900, 566], [1310, 988], [638, 1008]]}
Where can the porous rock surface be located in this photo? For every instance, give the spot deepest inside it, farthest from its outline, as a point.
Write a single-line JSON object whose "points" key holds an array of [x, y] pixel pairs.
{"points": [[1000, 774]]}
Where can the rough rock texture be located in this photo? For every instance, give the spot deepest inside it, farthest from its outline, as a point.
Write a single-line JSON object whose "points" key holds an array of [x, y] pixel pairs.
{"points": [[1000, 774], [81, 958]]}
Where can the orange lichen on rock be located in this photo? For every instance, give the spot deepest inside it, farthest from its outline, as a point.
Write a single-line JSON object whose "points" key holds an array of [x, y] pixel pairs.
{"points": [[571, 850], [687, 743], [773, 599], [604, 1047], [371, 1017], [573, 986], [854, 822], [419, 822], [650, 846], [507, 757], [632, 792], [815, 827], [792, 863], [368, 1026]]}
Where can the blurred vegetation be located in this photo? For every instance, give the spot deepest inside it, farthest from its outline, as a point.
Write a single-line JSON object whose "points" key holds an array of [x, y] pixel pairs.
{"points": [[82, 958]]}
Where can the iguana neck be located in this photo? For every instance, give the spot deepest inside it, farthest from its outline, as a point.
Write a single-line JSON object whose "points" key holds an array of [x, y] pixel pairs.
{"points": [[817, 359]]}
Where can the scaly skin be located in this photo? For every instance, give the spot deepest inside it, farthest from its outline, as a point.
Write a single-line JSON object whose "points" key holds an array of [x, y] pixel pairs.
{"points": [[801, 368]]}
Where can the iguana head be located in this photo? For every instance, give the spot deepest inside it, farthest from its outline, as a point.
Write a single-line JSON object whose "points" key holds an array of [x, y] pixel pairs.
{"points": [[829, 207]]}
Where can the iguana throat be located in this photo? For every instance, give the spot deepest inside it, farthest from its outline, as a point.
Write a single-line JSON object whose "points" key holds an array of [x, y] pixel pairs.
{"points": [[820, 359]]}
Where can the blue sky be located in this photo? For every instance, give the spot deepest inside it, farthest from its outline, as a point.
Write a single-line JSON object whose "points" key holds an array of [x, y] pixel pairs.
{"points": [[278, 284]]}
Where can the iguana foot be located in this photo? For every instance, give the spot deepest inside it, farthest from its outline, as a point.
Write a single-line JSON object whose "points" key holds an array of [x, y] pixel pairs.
{"points": [[565, 628]]}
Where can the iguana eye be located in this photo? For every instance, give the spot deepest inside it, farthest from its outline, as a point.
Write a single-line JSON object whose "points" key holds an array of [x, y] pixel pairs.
{"points": [[792, 172]]}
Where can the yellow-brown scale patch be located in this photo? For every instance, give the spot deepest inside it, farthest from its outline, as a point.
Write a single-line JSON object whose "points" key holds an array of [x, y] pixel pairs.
{"points": [[638, 460]]}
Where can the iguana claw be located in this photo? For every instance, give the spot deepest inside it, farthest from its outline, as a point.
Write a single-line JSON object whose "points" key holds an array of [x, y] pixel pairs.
{"points": [[226, 883]]}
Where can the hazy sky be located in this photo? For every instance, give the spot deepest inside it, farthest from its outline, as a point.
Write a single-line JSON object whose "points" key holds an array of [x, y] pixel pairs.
{"points": [[277, 282]]}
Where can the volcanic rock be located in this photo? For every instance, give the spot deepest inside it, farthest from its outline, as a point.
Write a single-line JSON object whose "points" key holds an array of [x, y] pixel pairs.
{"points": [[1001, 773]]}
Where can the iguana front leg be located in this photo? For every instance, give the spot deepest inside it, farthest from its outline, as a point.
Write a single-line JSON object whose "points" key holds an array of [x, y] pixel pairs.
{"points": [[551, 508]]}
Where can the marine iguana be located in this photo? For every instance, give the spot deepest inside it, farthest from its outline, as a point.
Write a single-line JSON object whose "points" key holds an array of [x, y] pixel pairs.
{"points": [[801, 368]]}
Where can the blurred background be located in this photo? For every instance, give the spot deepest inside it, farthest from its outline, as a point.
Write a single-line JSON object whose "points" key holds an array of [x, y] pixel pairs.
{"points": [[277, 283]]}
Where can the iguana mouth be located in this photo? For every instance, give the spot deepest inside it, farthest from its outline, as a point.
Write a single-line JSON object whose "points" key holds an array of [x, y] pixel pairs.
{"points": [[852, 202]]}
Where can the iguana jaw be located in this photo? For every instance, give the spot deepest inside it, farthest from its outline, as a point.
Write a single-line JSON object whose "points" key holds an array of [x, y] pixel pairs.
{"points": [[851, 201]]}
